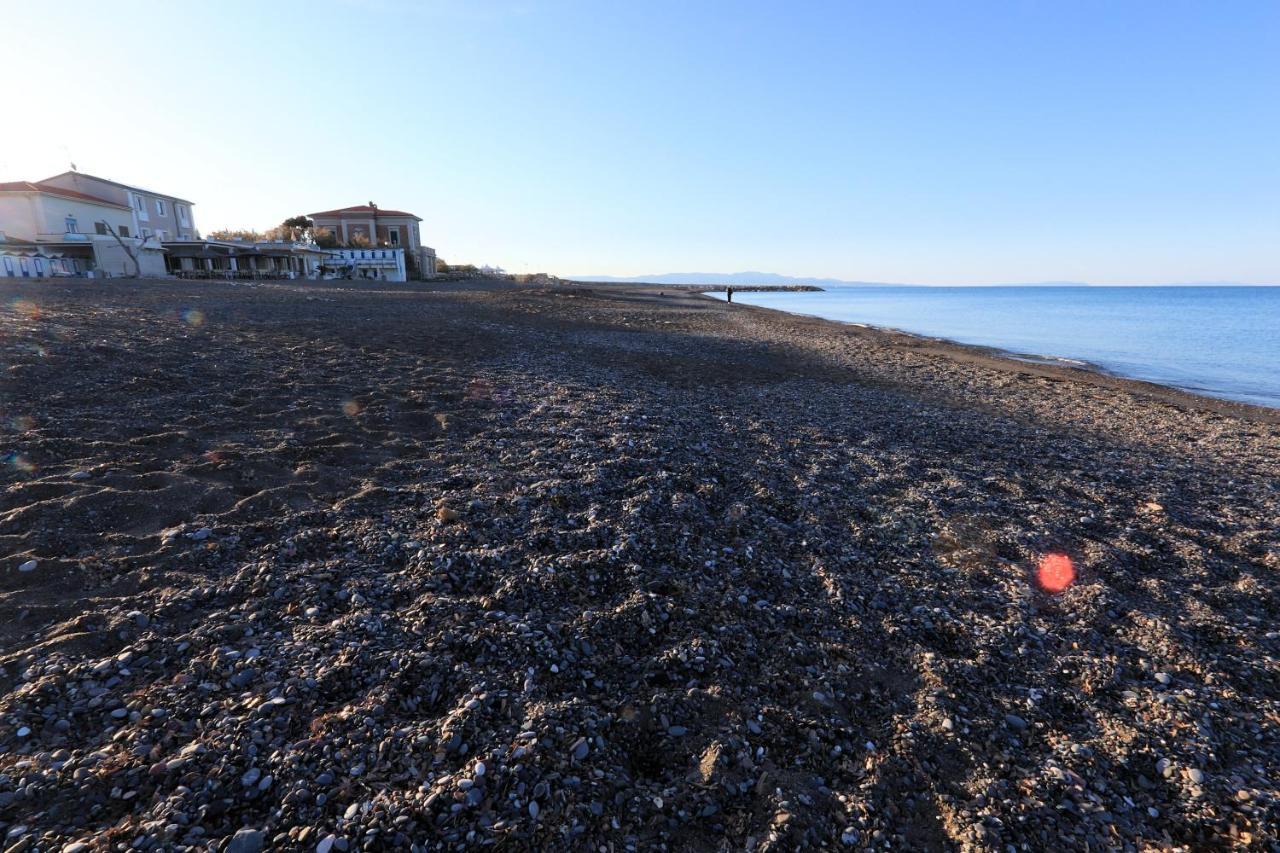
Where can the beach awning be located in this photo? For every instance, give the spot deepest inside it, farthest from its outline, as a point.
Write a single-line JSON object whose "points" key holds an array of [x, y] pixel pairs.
{"points": [[192, 252]]}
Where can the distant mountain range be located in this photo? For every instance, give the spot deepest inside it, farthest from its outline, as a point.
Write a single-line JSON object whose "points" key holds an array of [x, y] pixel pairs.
{"points": [[746, 278]]}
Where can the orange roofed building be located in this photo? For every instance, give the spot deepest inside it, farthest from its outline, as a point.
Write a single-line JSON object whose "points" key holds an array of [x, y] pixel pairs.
{"points": [[377, 227]]}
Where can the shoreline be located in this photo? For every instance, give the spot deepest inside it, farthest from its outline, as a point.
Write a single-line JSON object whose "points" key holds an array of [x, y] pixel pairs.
{"points": [[1264, 412], [312, 565]]}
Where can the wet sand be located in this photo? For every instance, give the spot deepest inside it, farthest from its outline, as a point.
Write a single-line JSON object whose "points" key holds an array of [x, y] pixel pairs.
{"points": [[334, 567]]}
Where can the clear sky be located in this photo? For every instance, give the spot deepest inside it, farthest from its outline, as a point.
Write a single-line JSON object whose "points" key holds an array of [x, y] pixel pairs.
{"points": [[934, 142]]}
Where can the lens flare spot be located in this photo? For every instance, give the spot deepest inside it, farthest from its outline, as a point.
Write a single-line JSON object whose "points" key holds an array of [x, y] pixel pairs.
{"points": [[22, 463], [351, 408], [26, 308], [193, 318], [1056, 573]]}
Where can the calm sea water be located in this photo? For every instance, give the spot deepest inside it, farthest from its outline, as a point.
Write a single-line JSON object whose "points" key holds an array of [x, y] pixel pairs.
{"points": [[1220, 341]]}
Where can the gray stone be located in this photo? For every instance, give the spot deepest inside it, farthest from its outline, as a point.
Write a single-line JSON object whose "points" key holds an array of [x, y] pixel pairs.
{"points": [[246, 841], [1015, 722]]}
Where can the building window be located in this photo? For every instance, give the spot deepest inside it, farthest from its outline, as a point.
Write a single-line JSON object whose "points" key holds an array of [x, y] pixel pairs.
{"points": [[39, 266], [8, 265], [72, 226], [394, 233], [146, 232], [100, 227], [159, 207], [123, 230], [182, 214]]}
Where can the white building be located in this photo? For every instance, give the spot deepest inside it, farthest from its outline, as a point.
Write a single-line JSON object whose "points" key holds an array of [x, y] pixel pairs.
{"points": [[376, 264], [154, 214], [88, 235]]}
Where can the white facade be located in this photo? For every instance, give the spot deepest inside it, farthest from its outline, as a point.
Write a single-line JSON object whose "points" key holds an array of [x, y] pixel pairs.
{"points": [[377, 264], [154, 214], [77, 226]]}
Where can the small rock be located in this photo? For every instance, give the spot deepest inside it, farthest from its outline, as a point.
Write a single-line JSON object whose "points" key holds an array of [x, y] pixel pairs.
{"points": [[579, 749], [1196, 776], [24, 731], [1163, 677], [1015, 722], [201, 534], [29, 566], [326, 844]]}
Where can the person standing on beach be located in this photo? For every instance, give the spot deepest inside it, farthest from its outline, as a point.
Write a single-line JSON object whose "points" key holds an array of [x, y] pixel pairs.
{"points": [[729, 293]]}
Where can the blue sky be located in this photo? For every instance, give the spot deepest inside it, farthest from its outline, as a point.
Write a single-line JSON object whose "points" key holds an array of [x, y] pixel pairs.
{"points": [[935, 142]]}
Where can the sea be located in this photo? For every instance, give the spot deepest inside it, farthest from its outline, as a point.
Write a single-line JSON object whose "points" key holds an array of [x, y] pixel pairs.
{"points": [[1221, 341]]}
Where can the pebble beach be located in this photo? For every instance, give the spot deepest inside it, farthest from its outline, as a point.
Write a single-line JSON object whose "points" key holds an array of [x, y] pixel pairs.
{"points": [[313, 566]]}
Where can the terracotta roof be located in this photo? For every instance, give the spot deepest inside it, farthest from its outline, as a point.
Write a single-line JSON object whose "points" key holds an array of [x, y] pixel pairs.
{"points": [[118, 184], [36, 187], [363, 208]]}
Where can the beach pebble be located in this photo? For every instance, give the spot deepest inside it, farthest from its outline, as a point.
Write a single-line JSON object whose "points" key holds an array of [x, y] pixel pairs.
{"points": [[1015, 722], [1196, 776], [246, 841], [29, 566], [1163, 677], [201, 534]]}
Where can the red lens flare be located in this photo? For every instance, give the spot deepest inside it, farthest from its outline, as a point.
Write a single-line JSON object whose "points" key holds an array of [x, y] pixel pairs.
{"points": [[1056, 572]]}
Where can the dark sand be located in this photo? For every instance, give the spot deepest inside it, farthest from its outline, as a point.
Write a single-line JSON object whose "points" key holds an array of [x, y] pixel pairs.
{"points": [[589, 568]]}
